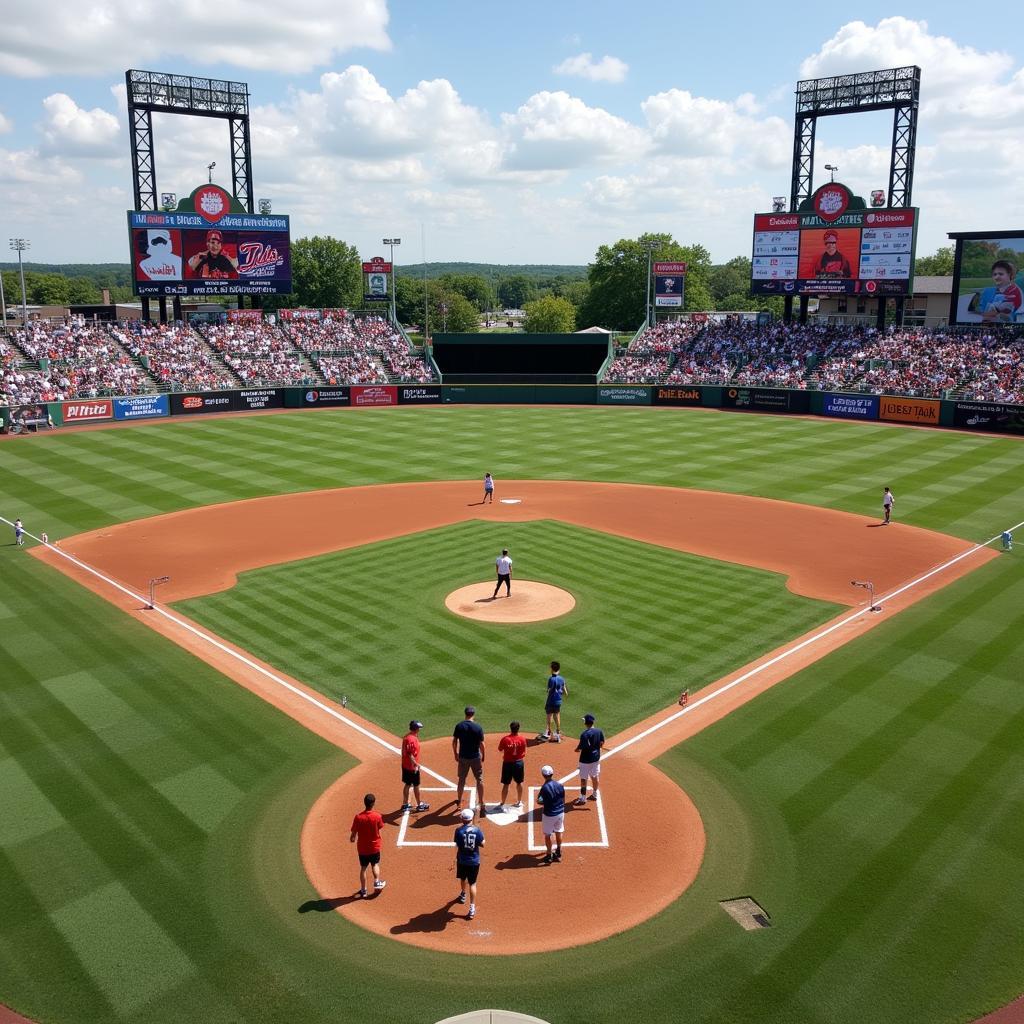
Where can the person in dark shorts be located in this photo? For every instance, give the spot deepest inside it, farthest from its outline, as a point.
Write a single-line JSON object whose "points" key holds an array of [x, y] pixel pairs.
{"points": [[411, 768], [366, 830], [468, 749], [488, 489], [469, 838], [557, 691], [503, 570], [513, 767]]}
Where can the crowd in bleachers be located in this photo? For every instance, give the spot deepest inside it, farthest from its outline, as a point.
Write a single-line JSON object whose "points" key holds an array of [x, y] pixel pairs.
{"points": [[178, 357], [258, 353]]}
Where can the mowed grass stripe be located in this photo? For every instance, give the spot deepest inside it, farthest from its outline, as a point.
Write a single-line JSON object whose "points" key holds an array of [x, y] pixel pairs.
{"points": [[639, 633]]}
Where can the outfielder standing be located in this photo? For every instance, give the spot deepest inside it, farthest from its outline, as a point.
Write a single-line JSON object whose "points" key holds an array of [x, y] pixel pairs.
{"points": [[19, 533]]}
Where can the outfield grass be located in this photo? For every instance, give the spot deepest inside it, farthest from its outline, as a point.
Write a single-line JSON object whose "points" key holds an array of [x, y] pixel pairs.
{"points": [[149, 864], [370, 624]]}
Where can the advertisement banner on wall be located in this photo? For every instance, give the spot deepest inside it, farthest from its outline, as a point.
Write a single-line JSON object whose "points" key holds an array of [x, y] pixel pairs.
{"points": [[374, 394], [201, 402], [422, 394], [624, 396], [87, 412], [326, 396], [259, 398], [678, 396], [31, 417], [994, 416], [909, 410], [851, 407], [141, 407], [766, 399]]}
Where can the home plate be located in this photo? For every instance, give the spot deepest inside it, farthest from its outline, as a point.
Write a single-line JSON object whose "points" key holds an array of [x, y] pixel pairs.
{"points": [[507, 817], [510, 501]]}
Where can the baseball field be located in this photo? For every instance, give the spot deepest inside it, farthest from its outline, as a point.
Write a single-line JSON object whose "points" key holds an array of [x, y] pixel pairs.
{"points": [[165, 845]]}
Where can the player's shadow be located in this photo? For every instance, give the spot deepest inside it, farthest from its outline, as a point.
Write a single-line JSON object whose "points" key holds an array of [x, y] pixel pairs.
{"points": [[431, 921], [485, 600], [520, 860], [325, 906], [875, 526]]}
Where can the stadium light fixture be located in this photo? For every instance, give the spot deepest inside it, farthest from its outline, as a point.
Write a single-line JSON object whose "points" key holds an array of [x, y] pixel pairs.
{"points": [[209, 171], [650, 246], [20, 245], [391, 243], [831, 168]]}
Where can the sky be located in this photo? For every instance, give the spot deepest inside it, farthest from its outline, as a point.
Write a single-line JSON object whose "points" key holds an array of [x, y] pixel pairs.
{"points": [[500, 133]]}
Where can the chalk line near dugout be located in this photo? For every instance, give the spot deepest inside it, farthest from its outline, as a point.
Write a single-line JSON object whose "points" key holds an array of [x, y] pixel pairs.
{"points": [[386, 744]]}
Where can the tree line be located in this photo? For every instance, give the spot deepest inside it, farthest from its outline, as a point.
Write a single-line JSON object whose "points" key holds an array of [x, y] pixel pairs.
{"points": [[610, 292]]}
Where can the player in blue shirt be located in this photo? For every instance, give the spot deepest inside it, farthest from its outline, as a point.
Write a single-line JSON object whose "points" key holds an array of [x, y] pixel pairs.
{"points": [[589, 749], [468, 841], [557, 691], [552, 800]]}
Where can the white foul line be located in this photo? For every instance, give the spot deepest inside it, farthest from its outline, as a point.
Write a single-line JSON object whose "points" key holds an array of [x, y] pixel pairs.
{"points": [[248, 662], [793, 650]]}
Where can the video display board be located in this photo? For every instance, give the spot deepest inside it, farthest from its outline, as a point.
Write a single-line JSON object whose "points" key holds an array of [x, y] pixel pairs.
{"points": [[209, 245], [988, 278], [834, 247]]}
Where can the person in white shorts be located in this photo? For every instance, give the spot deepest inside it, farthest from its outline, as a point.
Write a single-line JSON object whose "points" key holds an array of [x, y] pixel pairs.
{"points": [[552, 800], [589, 749]]}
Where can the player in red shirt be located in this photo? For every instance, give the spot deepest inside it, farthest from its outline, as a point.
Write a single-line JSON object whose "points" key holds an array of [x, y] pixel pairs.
{"points": [[366, 830], [411, 768], [513, 768]]}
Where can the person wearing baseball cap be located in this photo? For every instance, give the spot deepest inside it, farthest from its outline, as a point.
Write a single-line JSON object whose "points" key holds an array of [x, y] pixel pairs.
{"points": [[832, 262], [552, 801], [411, 768], [469, 839], [213, 262], [469, 750], [589, 749]]}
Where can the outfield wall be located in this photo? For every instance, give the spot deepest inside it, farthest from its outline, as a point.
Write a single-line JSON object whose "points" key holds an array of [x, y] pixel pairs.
{"points": [[988, 417]]}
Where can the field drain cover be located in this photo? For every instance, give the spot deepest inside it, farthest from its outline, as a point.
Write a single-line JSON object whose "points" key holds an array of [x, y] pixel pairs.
{"points": [[747, 913]]}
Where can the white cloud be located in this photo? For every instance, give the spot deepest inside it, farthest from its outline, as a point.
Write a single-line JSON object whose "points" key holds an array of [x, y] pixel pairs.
{"points": [[71, 131], [556, 131], [583, 65], [30, 167], [686, 125], [64, 37], [6, 124]]}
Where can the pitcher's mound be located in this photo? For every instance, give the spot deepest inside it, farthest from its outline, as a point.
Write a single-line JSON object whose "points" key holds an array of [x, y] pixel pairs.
{"points": [[530, 602]]}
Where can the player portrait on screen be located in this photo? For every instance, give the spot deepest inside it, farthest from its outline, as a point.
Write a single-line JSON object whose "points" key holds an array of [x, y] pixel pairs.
{"points": [[158, 255], [214, 260], [832, 263]]}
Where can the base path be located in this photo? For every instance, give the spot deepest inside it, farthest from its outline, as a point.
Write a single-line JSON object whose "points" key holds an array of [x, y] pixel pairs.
{"points": [[522, 904]]}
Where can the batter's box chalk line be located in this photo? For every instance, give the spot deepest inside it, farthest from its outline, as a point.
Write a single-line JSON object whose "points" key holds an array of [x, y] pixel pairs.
{"points": [[527, 813]]}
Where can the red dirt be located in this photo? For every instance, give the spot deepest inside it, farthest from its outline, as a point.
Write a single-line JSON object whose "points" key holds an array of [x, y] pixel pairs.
{"points": [[818, 549]]}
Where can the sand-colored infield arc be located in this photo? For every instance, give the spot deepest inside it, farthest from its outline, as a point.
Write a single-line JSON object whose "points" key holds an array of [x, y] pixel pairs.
{"points": [[529, 601], [655, 841]]}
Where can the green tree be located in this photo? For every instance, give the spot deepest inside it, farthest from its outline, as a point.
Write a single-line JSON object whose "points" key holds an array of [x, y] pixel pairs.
{"points": [[82, 291], [473, 287], [515, 291], [549, 315], [940, 264], [575, 291], [618, 280], [733, 278], [451, 312], [326, 274]]}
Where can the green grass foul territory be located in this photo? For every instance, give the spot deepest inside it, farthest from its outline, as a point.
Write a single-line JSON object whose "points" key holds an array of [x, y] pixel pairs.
{"points": [[150, 809]]}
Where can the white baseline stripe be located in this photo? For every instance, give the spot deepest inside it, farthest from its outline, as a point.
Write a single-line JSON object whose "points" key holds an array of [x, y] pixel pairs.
{"points": [[248, 662], [794, 649]]}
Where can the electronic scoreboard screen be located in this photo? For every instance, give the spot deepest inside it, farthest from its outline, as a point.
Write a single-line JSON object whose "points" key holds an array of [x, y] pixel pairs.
{"points": [[832, 248]]}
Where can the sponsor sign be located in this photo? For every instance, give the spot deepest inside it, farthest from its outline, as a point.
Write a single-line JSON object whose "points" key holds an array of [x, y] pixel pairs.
{"points": [[89, 411], [31, 417], [374, 394], [851, 407], [678, 395], [422, 394], [624, 396], [326, 396], [299, 314], [141, 407], [909, 410], [259, 398], [251, 315], [994, 416], [670, 268], [766, 399], [203, 402], [668, 290]]}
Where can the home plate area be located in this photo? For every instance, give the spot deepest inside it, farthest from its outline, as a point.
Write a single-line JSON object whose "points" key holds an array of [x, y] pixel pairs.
{"points": [[592, 830]]}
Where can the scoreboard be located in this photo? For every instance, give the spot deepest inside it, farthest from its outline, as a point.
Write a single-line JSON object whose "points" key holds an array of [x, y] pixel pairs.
{"points": [[837, 250]]}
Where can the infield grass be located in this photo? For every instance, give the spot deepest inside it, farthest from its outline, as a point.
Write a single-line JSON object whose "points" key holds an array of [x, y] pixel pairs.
{"points": [[370, 624], [149, 865]]}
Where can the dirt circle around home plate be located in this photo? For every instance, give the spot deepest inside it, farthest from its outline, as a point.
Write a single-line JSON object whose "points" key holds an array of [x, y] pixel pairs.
{"points": [[529, 601]]}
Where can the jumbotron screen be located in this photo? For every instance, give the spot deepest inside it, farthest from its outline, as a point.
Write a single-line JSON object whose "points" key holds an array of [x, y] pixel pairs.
{"points": [[215, 248], [869, 252]]}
